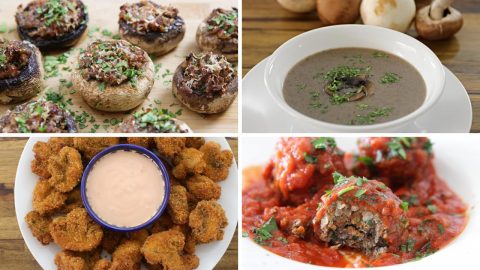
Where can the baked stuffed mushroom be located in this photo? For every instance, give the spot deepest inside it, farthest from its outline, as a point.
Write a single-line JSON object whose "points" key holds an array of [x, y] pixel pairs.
{"points": [[155, 28], [362, 214], [218, 33], [37, 116], [21, 71], [205, 83], [51, 24], [113, 75], [152, 121]]}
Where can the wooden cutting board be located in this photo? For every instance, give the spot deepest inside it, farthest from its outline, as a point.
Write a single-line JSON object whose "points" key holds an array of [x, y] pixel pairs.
{"points": [[103, 15]]}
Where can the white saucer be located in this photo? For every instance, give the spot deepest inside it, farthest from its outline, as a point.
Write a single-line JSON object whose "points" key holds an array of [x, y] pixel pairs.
{"points": [[452, 113]]}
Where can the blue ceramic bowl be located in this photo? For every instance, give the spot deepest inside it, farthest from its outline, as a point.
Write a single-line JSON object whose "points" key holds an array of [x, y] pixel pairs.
{"points": [[125, 147]]}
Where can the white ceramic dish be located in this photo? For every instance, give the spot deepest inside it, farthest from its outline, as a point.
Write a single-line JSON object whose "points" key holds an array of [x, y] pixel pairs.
{"points": [[209, 254], [358, 36], [452, 113], [454, 162]]}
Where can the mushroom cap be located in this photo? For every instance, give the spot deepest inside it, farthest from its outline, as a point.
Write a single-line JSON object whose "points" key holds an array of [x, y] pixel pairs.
{"points": [[438, 29], [298, 6], [393, 14], [338, 12]]}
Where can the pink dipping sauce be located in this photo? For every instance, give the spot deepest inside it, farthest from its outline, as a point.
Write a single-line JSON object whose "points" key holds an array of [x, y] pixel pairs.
{"points": [[125, 188]]}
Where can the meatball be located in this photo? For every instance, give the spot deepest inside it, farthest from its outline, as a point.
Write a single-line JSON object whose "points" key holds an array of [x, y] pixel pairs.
{"points": [[302, 166], [397, 161], [361, 214]]}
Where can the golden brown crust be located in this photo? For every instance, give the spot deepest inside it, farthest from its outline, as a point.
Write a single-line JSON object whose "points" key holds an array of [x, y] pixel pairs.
{"points": [[207, 221], [218, 161], [169, 147], [66, 169], [178, 204], [39, 225], [203, 188], [188, 162], [46, 199]]}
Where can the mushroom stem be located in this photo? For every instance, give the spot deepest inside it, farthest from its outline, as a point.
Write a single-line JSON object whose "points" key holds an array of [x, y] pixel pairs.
{"points": [[438, 7]]}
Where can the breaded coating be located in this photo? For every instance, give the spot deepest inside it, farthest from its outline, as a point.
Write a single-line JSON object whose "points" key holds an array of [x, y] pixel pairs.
{"points": [[76, 231], [165, 248], [203, 188], [127, 256], [218, 161], [74, 200], [169, 147], [63, 141], [89, 146], [188, 162], [38, 225], [190, 261], [140, 141], [67, 259], [46, 199], [194, 142], [207, 221], [178, 204], [190, 242], [111, 239], [43, 151], [140, 235], [102, 264], [163, 223], [192, 201], [66, 169]]}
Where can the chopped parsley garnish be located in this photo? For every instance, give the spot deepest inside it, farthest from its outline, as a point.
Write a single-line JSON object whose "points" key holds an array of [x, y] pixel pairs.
{"points": [[101, 86], [441, 228], [397, 147], [309, 159], [432, 208], [404, 206], [3, 27], [389, 78], [408, 246], [283, 240], [360, 192], [323, 143], [371, 117], [340, 78], [363, 107], [345, 190], [301, 86], [53, 12], [107, 32], [264, 233], [338, 178], [366, 160], [360, 181], [379, 54], [428, 146], [51, 64]]}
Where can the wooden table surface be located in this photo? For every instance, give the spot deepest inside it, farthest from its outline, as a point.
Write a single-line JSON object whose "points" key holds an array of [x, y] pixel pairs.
{"points": [[14, 254], [266, 26]]}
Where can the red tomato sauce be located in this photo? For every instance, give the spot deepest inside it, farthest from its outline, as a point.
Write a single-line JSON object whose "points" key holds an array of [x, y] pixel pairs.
{"points": [[436, 215]]}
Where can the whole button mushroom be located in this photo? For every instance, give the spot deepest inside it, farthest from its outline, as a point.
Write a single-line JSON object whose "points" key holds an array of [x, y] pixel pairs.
{"points": [[393, 14], [438, 21], [338, 12], [298, 6]]}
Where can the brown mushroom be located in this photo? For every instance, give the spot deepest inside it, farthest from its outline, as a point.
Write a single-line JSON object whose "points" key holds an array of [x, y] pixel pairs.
{"points": [[438, 21], [338, 12]]}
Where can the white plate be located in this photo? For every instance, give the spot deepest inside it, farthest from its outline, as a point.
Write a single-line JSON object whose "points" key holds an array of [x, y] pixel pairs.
{"points": [[209, 254], [454, 162], [451, 114]]}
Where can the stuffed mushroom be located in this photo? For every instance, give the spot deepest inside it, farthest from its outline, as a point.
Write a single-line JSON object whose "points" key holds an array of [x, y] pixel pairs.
{"points": [[362, 214], [37, 117], [205, 83], [113, 75], [21, 71], [155, 28], [218, 33], [51, 24], [152, 121]]}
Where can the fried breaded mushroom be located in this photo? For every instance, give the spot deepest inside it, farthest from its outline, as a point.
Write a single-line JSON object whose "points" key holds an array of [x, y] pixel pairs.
{"points": [[218, 161], [89, 147], [63, 141], [139, 236], [207, 221], [203, 188], [110, 240], [102, 264], [38, 225], [169, 147], [194, 142], [140, 141], [65, 169], [164, 223], [190, 242], [77, 231], [43, 151], [178, 204], [165, 248], [74, 200], [46, 199], [188, 162], [127, 256], [71, 260]]}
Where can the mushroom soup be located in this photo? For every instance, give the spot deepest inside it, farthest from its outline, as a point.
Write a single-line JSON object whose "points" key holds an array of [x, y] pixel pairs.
{"points": [[354, 86]]}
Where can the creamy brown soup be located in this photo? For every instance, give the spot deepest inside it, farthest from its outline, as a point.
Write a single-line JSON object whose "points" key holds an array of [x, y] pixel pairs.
{"points": [[354, 86]]}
